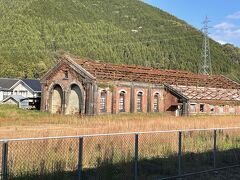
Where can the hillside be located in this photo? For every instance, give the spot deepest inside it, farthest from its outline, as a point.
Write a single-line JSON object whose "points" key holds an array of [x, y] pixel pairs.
{"points": [[33, 32]]}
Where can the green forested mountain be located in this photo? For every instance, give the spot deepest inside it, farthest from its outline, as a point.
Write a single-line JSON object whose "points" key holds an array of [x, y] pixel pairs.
{"points": [[33, 32]]}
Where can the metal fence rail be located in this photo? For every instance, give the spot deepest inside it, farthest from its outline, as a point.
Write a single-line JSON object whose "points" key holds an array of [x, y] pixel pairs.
{"points": [[135, 155]]}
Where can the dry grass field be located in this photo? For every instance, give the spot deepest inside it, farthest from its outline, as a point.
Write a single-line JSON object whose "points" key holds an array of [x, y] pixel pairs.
{"points": [[113, 155], [15, 123]]}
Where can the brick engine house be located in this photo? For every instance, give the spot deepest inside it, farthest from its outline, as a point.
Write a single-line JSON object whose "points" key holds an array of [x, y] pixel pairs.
{"points": [[82, 86]]}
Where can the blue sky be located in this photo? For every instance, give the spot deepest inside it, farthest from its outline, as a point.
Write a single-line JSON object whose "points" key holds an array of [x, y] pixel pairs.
{"points": [[224, 16]]}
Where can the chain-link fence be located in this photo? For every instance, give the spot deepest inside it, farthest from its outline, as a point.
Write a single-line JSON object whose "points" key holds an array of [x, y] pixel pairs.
{"points": [[146, 155]]}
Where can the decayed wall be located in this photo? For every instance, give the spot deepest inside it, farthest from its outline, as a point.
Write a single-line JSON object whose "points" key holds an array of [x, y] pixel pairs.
{"points": [[226, 108], [169, 101], [131, 90], [58, 77]]}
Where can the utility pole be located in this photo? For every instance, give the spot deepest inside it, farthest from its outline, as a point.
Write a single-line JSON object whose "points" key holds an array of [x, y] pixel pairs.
{"points": [[206, 65]]}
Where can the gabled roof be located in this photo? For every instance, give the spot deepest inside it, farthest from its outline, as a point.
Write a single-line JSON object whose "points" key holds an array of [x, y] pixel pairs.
{"points": [[34, 84], [107, 71], [7, 83]]}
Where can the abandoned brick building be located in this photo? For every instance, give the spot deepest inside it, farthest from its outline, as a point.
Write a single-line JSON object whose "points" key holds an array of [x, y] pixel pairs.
{"points": [[82, 86]]}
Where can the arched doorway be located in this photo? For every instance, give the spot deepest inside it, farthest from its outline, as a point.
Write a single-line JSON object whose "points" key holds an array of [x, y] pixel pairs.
{"points": [[57, 100], [75, 100]]}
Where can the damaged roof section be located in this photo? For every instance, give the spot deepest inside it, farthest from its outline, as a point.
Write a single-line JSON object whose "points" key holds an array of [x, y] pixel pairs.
{"points": [[107, 71], [207, 93]]}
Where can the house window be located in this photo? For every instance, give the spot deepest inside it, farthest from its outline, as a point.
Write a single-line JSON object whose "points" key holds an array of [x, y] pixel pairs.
{"points": [[202, 108], [65, 74], [156, 103], [6, 94], [103, 101], [221, 109], [139, 101], [122, 101], [193, 108]]}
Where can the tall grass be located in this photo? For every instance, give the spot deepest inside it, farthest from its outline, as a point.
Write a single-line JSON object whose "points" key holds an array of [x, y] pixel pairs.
{"points": [[112, 157], [16, 122]]}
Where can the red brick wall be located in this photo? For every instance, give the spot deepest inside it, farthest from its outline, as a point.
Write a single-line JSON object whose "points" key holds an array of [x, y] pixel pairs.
{"points": [[169, 100], [237, 109]]}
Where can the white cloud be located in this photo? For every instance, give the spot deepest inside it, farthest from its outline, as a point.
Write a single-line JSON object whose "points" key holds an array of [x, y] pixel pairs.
{"points": [[224, 26], [236, 15], [226, 33]]}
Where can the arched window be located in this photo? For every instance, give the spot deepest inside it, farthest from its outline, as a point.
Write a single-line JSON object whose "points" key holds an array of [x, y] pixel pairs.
{"points": [[103, 101], [122, 101], [139, 101], [156, 102]]}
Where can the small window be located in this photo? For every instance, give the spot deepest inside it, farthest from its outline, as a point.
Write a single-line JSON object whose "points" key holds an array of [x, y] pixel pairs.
{"points": [[103, 101], [212, 108], [202, 108], [122, 101], [139, 101], [232, 109], [65, 74], [193, 108], [221, 109], [156, 103]]}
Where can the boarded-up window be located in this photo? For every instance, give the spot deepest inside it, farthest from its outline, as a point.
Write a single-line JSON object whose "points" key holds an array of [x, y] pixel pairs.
{"points": [[193, 108], [232, 109]]}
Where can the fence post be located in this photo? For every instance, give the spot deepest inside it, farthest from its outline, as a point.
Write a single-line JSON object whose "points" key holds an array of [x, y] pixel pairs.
{"points": [[136, 158], [180, 153], [214, 148], [80, 158], [4, 159]]}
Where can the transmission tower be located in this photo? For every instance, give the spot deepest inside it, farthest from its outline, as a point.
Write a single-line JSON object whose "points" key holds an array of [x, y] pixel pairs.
{"points": [[206, 65]]}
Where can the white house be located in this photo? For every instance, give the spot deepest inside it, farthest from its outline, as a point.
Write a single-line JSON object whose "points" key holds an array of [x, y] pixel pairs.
{"points": [[25, 88]]}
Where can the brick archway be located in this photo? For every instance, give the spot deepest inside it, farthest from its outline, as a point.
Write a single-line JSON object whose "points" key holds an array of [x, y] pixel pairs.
{"points": [[75, 100], [56, 99]]}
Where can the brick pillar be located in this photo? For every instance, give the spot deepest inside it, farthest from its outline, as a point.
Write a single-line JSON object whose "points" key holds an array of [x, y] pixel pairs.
{"points": [[114, 110], [132, 99], [149, 103]]}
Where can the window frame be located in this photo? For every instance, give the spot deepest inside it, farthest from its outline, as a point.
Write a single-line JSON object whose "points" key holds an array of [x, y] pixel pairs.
{"points": [[203, 108], [66, 74], [156, 104], [140, 101], [122, 100], [221, 107], [103, 101], [195, 107]]}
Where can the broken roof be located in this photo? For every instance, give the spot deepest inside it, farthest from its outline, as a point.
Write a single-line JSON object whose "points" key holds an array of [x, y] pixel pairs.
{"points": [[207, 93], [107, 71]]}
